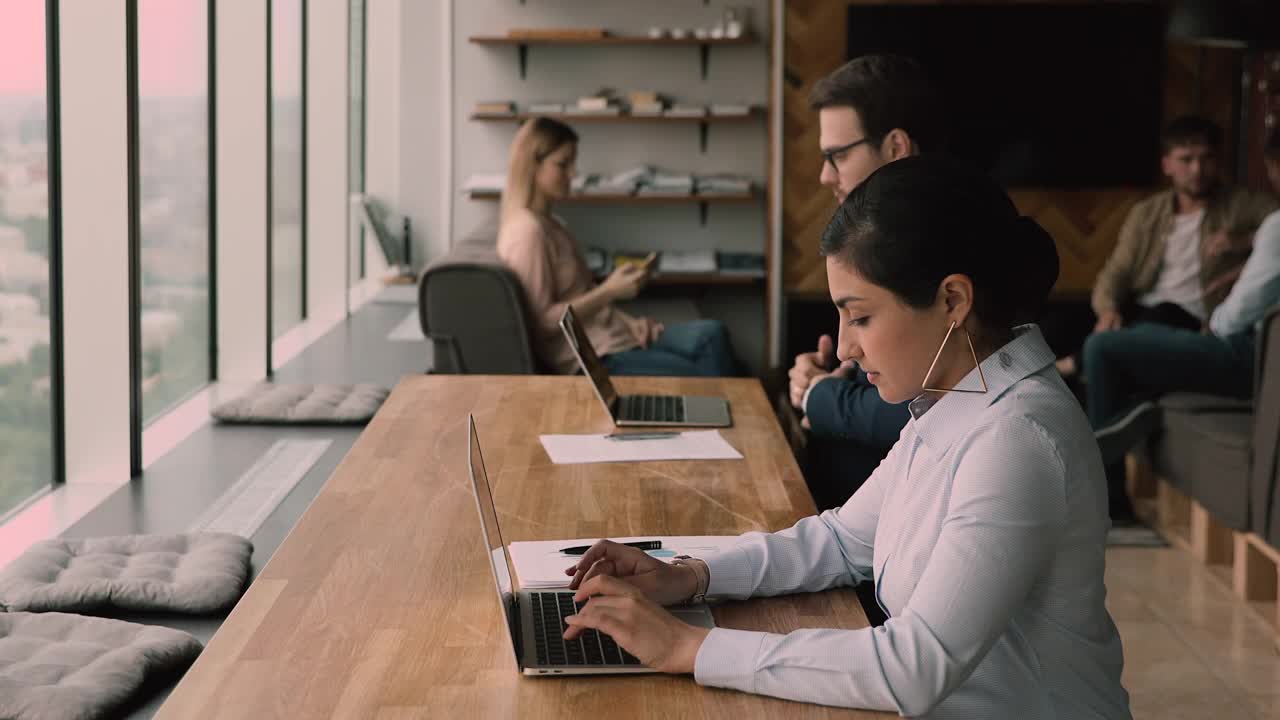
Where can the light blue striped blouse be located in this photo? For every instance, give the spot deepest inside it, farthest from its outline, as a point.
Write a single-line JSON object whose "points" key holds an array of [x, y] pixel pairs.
{"points": [[985, 529]]}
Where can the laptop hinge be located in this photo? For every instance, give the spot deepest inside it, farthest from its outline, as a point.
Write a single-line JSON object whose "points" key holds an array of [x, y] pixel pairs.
{"points": [[516, 632]]}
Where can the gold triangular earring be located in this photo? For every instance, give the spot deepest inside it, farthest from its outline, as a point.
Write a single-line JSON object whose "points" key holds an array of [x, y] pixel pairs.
{"points": [[976, 364]]}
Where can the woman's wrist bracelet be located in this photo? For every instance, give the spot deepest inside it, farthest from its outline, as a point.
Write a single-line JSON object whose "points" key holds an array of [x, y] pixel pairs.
{"points": [[701, 574]]}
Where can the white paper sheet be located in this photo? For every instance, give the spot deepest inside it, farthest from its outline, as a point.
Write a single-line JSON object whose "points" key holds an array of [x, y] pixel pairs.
{"points": [[540, 564], [694, 445]]}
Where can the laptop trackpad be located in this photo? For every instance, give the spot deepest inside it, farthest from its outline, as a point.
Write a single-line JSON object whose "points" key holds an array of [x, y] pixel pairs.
{"points": [[701, 410], [696, 615]]}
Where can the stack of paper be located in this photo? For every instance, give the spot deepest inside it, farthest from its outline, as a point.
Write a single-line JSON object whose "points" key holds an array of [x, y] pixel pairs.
{"points": [[723, 185], [546, 108], [540, 564], [730, 109], [623, 183], [692, 445], [687, 261], [679, 110], [495, 107], [663, 183]]}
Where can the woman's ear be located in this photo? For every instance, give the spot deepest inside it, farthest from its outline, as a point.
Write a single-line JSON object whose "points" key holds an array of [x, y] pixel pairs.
{"points": [[956, 293]]}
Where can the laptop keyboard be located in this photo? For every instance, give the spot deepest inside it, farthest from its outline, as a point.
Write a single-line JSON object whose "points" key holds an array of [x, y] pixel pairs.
{"points": [[652, 408], [589, 648]]}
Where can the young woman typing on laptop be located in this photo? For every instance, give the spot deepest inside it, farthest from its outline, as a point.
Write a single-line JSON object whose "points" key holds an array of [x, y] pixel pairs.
{"points": [[538, 247], [985, 526]]}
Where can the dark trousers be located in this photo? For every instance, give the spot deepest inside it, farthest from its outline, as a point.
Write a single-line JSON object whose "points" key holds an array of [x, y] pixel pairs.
{"points": [[1148, 360]]}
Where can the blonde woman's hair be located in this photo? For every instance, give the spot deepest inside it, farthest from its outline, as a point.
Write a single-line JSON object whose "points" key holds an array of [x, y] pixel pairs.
{"points": [[537, 138]]}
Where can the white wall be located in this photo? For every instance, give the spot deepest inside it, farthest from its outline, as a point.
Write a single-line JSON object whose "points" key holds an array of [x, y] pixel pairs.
{"points": [[426, 150], [242, 190], [95, 240], [326, 158]]}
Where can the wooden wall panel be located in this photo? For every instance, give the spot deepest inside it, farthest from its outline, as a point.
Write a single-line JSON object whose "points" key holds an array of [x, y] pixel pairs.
{"points": [[1084, 221]]}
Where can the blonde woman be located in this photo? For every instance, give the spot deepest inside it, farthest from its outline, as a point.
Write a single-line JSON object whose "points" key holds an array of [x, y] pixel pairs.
{"points": [[539, 249]]}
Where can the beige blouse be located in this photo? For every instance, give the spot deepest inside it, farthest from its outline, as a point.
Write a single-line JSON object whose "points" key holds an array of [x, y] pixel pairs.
{"points": [[542, 253]]}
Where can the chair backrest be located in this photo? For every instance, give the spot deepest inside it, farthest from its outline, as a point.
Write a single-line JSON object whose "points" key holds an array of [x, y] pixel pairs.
{"points": [[473, 310], [1264, 496]]}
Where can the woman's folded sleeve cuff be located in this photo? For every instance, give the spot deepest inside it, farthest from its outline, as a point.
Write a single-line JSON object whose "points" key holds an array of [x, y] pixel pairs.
{"points": [[731, 574], [727, 659]]}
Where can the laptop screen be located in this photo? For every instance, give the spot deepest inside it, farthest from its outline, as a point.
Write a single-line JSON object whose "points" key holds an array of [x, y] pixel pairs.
{"points": [[591, 364], [499, 559]]}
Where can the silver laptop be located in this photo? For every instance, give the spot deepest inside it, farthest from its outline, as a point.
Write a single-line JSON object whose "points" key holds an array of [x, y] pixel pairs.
{"points": [[626, 410], [535, 619]]}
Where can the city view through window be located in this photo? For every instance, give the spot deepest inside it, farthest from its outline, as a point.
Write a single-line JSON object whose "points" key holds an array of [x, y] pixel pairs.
{"points": [[26, 447], [173, 149]]}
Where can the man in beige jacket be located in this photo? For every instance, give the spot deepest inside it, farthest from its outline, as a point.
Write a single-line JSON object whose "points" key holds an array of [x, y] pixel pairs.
{"points": [[1181, 250]]}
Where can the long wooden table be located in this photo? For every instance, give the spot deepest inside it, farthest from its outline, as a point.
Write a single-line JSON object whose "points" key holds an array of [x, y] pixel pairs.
{"points": [[380, 604]]}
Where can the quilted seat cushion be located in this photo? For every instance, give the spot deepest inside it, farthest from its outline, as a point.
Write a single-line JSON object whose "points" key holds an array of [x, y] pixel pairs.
{"points": [[194, 573], [324, 404], [72, 667]]}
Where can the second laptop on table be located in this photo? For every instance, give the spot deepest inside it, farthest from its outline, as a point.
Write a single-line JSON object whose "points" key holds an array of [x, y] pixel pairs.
{"points": [[627, 410]]}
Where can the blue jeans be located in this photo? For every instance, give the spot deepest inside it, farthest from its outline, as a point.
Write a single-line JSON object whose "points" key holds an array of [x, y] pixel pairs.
{"points": [[694, 349], [1125, 367]]}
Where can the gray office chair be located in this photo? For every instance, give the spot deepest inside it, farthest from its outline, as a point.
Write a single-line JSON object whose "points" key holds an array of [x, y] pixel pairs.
{"points": [[473, 310]]}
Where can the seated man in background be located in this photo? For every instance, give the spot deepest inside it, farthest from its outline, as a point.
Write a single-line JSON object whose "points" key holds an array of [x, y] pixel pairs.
{"points": [[1129, 367], [872, 111], [1178, 252]]}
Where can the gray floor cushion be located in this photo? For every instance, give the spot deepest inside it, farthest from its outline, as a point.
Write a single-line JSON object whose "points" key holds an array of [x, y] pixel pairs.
{"points": [[325, 404], [71, 667], [194, 573]]}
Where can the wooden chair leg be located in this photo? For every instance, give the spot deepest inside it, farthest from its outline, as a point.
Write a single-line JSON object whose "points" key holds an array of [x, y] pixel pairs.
{"points": [[1140, 480], [1254, 573], [1211, 542]]}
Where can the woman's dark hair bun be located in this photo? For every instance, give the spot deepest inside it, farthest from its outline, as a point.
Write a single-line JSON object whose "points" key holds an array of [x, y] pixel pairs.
{"points": [[1034, 256], [915, 221]]}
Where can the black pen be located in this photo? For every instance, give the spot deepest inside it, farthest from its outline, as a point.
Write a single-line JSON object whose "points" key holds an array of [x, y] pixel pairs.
{"points": [[641, 436], [641, 545]]}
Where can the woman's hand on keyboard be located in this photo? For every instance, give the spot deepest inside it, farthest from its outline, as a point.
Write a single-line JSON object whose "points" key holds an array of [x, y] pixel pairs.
{"points": [[662, 583], [637, 624]]}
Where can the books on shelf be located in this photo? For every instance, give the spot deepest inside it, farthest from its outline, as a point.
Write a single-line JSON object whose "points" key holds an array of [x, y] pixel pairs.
{"points": [[730, 109], [495, 107], [682, 110], [723, 184], [687, 261], [546, 108], [747, 264], [666, 184], [597, 260], [606, 111], [623, 183]]}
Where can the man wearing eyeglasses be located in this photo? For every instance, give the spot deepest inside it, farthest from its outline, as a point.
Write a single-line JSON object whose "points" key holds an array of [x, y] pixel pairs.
{"points": [[871, 111]]}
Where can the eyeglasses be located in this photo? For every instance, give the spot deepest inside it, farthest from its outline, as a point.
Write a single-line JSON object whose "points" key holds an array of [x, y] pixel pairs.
{"points": [[830, 155]]}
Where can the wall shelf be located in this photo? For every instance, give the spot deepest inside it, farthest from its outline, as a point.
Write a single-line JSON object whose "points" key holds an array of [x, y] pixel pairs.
{"points": [[704, 122], [702, 201], [522, 44]]}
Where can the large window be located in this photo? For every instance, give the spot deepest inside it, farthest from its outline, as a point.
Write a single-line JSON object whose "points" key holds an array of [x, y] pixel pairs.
{"points": [[26, 426], [173, 207], [288, 287], [355, 131]]}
